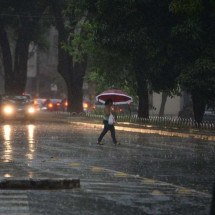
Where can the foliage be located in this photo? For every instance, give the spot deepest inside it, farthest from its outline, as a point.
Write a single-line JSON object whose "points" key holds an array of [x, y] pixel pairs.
{"points": [[111, 70], [194, 34], [19, 25], [194, 38], [133, 31], [200, 77], [80, 42], [140, 32]]}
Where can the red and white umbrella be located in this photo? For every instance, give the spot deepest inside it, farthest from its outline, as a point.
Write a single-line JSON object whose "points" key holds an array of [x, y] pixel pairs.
{"points": [[118, 97]]}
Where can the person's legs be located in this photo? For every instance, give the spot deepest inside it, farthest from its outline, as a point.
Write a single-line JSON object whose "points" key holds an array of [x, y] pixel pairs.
{"points": [[105, 130], [113, 134]]}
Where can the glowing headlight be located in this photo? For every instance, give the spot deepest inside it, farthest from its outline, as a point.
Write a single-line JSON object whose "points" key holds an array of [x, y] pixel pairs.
{"points": [[31, 110], [8, 110]]}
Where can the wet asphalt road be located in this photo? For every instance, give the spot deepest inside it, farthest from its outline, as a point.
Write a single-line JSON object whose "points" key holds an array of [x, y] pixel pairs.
{"points": [[146, 174]]}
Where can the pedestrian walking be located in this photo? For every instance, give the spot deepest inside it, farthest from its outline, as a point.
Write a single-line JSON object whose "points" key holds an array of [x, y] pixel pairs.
{"points": [[108, 121]]}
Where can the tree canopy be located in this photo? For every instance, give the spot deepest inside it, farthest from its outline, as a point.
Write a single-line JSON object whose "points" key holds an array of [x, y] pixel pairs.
{"points": [[142, 45], [19, 24], [194, 35], [167, 43]]}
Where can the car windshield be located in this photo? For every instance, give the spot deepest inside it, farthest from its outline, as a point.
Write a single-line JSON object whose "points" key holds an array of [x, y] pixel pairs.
{"points": [[16, 99], [55, 100]]}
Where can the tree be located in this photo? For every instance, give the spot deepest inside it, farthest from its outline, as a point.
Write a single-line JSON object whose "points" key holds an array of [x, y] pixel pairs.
{"points": [[195, 47], [69, 17], [110, 70], [142, 31], [19, 22]]}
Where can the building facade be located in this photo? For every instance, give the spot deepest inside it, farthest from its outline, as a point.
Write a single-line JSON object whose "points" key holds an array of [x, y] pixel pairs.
{"points": [[43, 78]]}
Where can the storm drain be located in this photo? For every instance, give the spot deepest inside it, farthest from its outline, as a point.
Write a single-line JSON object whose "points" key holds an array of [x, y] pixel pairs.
{"points": [[39, 184]]}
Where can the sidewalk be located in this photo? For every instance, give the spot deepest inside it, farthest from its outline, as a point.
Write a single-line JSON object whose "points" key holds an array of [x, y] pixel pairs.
{"points": [[133, 127], [149, 129]]}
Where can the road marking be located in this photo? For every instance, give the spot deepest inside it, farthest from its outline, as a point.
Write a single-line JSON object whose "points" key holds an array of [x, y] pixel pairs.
{"points": [[75, 164], [97, 169], [148, 181], [178, 189], [121, 174], [183, 190], [157, 193]]}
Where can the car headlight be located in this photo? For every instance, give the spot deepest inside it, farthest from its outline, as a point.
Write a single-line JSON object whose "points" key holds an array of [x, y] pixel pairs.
{"points": [[31, 110], [8, 110]]}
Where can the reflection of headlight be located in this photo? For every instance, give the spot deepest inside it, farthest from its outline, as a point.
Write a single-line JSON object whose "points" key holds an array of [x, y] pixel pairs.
{"points": [[8, 110], [31, 110]]}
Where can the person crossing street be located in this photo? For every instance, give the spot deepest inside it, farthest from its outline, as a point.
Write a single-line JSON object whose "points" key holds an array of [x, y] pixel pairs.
{"points": [[108, 121]]}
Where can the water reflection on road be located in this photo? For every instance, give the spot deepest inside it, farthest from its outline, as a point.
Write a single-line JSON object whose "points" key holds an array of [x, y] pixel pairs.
{"points": [[7, 146], [31, 142], [10, 134]]}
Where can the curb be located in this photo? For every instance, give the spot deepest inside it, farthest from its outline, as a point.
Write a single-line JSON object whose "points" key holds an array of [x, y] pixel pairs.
{"points": [[39, 184], [151, 131]]}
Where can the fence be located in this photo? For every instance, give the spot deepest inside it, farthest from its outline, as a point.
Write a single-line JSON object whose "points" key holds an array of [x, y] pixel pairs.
{"points": [[167, 122], [162, 121]]}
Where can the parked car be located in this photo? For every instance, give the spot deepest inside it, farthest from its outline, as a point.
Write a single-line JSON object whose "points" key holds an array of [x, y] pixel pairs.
{"points": [[17, 107]]}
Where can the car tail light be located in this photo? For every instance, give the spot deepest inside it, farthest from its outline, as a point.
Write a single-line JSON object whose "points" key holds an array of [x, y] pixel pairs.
{"points": [[85, 105], [50, 105], [66, 104]]}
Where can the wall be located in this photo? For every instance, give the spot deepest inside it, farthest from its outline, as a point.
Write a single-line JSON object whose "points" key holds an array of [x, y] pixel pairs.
{"points": [[172, 107]]}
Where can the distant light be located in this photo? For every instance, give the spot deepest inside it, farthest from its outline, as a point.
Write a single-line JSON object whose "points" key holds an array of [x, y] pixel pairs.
{"points": [[8, 110], [85, 105], [50, 105], [31, 110]]}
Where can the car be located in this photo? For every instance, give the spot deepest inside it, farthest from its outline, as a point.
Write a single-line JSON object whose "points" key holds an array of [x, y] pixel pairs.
{"points": [[17, 107], [53, 104], [64, 105], [40, 104]]}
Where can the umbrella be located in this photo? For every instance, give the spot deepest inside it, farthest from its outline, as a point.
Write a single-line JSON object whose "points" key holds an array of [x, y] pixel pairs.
{"points": [[118, 97]]}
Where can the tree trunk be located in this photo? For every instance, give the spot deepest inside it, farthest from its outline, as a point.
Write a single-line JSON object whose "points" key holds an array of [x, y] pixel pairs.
{"points": [[15, 77], [198, 106], [73, 73], [163, 103], [20, 63], [142, 88], [142, 92], [7, 59], [75, 88]]}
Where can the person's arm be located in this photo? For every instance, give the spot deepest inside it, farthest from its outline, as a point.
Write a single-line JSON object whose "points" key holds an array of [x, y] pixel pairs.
{"points": [[115, 115]]}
